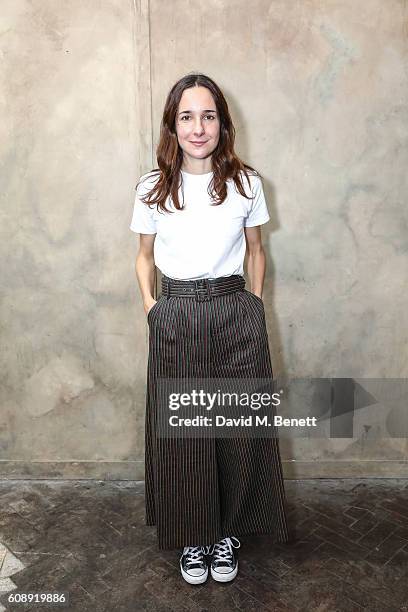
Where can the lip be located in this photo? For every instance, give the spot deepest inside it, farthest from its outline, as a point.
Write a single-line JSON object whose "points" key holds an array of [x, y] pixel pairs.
{"points": [[198, 143]]}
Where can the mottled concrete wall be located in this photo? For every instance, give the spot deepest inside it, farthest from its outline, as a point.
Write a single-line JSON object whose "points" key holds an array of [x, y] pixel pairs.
{"points": [[73, 355], [318, 95]]}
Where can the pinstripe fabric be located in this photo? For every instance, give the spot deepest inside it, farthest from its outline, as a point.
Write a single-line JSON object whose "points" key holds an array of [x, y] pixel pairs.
{"points": [[199, 490]]}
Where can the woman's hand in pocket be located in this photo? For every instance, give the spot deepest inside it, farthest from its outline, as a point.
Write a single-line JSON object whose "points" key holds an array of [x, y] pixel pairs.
{"points": [[149, 305]]}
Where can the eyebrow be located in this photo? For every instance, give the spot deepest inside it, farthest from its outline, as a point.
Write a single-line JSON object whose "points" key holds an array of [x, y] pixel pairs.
{"points": [[209, 110]]}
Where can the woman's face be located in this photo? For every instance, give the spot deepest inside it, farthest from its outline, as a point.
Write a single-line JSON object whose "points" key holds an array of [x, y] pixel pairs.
{"points": [[197, 123]]}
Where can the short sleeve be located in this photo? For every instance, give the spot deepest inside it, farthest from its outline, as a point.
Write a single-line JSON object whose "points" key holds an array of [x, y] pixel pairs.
{"points": [[258, 212], [142, 218]]}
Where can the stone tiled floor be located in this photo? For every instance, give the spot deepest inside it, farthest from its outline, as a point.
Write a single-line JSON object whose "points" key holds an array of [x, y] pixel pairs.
{"points": [[349, 551]]}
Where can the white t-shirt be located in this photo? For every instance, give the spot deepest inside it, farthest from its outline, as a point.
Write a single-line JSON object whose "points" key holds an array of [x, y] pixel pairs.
{"points": [[200, 241]]}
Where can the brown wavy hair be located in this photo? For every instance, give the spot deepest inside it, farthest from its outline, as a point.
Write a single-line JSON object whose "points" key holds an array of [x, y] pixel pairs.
{"points": [[225, 163]]}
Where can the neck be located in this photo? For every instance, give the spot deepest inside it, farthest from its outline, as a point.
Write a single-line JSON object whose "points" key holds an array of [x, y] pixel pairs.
{"points": [[197, 166]]}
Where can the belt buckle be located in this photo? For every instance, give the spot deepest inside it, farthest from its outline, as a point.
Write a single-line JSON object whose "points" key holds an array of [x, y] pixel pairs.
{"points": [[203, 292], [167, 289]]}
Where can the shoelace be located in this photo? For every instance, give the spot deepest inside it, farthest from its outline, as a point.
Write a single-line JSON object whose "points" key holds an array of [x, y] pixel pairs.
{"points": [[193, 554], [223, 549]]}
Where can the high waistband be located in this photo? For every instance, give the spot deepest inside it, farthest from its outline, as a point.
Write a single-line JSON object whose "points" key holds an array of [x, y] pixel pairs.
{"points": [[202, 289]]}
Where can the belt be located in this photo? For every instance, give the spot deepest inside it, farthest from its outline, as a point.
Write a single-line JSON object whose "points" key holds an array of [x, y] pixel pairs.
{"points": [[202, 289]]}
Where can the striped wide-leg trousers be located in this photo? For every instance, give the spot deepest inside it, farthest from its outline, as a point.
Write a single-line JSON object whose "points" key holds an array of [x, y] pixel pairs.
{"points": [[200, 490]]}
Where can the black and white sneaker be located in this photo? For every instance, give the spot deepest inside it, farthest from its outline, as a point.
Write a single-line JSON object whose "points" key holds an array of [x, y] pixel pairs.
{"points": [[193, 564], [224, 564]]}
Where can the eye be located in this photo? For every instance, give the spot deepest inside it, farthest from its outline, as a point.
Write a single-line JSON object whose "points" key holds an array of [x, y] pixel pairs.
{"points": [[183, 117]]}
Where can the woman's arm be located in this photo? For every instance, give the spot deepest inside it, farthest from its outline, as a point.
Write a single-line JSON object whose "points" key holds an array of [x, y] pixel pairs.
{"points": [[256, 259], [146, 270]]}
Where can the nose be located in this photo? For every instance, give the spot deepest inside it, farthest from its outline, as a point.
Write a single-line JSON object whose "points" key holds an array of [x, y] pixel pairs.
{"points": [[198, 127]]}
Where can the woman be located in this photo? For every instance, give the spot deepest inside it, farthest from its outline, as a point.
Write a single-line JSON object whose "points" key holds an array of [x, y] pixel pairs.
{"points": [[196, 215]]}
